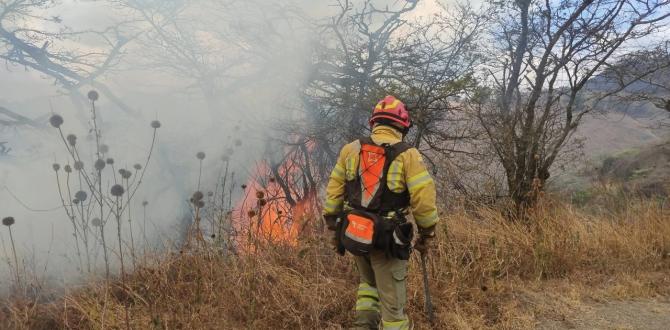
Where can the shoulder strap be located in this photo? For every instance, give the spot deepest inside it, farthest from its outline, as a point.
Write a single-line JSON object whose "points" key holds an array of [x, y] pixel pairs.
{"points": [[397, 149], [389, 200]]}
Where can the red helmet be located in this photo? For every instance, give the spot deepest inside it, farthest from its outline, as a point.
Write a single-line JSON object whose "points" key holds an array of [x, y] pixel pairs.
{"points": [[392, 109]]}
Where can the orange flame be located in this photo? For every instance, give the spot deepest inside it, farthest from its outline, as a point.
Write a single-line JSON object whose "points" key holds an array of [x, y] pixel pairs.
{"points": [[275, 209]]}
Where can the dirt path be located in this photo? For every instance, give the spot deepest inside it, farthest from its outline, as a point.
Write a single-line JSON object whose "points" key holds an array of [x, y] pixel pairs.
{"points": [[631, 314]]}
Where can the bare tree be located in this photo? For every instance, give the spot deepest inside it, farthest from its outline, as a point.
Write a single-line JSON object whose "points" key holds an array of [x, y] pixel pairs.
{"points": [[543, 56], [355, 58], [435, 70], [31, 39], [368, 52]]}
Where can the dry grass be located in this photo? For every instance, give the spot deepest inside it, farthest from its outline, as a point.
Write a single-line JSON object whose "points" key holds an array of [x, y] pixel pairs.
{"points": [[486, 272]]}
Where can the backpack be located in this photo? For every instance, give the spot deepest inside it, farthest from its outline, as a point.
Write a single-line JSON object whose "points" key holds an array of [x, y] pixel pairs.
{"points": [[364, 227]]}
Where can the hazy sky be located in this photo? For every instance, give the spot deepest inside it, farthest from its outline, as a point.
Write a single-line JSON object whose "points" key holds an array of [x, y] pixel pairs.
{"points": [[27, 87]]}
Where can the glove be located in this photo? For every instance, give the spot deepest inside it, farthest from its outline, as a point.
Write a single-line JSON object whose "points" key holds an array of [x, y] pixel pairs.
{"points": [[425, 241], [331, 222], [423, 245]]}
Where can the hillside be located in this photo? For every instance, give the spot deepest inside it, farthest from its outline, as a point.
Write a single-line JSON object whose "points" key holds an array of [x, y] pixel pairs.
{"points": [[615, 132], [646, 169]]}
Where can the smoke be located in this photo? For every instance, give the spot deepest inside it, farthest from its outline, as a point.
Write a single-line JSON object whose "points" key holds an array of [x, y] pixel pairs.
{"points": [[217, 74]]}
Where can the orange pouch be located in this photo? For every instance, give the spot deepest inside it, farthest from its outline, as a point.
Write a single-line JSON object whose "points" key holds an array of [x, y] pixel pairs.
{"points": [[358, 236]]}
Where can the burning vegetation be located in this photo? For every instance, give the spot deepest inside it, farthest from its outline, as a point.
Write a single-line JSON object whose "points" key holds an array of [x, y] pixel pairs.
{"points": [[271, 93]]}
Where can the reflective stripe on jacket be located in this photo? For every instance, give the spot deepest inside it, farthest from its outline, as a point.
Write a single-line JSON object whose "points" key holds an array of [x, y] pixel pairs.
{"points": [[407, 171]]}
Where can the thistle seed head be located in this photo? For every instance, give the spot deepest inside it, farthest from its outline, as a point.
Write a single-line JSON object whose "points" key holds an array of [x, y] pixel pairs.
{"points": [[210, 194], [110, 161], [244, 186], [137, 167], [156, 124], [79, 165], [251, 213], [197, 196], [56, 166], [99, 164], [201, 204], [56, 121], [68, 169], [93, 95], [75, 201], [80, 195], [8, 221], [145, 203], [260, 194], [96, 222], [117, 190], [200, 155], [104, 148], [125, 173], [262, 202], [71, 139]]}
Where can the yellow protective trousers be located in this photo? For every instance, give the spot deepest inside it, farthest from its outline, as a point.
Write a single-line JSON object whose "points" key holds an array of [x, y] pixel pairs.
{"points": [[382, 293]]}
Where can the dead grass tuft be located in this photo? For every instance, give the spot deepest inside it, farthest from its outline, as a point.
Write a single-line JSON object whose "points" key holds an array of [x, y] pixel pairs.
{"points": [[486, 272]]}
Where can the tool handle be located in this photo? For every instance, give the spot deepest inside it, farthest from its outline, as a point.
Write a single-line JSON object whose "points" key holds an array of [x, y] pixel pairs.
{"points": [[428, 306]]}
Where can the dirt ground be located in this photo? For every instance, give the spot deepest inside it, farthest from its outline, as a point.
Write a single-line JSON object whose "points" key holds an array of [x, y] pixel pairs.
{"points": [[643, 314]]}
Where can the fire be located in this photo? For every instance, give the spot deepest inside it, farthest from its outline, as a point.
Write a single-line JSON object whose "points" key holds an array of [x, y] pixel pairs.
{"points": [[277, 203]]}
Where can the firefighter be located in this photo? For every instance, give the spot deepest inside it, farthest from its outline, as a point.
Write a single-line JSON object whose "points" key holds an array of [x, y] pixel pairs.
{"points": [[375, 183]]}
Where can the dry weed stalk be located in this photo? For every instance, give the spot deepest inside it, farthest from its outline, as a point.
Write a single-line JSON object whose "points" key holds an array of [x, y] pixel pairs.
{"points": [[85, 213], [9, 222]]}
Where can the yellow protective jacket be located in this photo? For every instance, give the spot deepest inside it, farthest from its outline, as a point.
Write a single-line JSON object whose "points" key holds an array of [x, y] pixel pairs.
{"points": [[407, 171]]}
